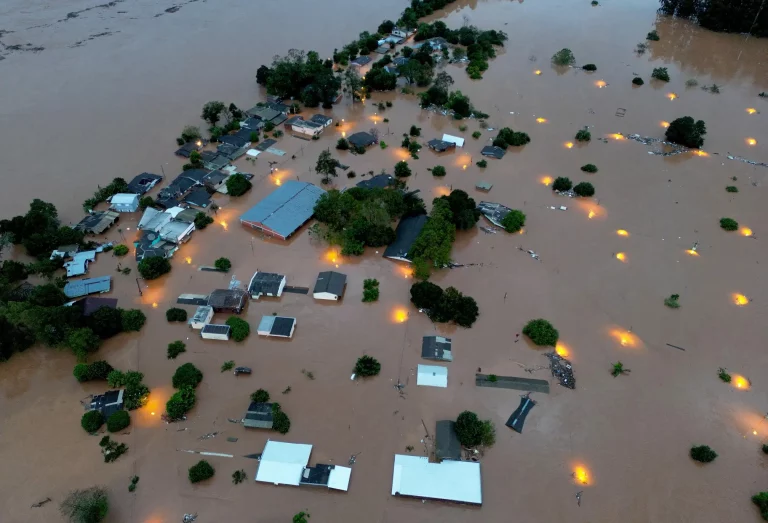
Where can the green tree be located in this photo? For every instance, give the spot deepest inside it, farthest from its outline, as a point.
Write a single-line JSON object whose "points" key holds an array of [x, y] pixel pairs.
{"points": [[201, 471], [85, 506], [239, 328], [190, 133], [342, 144], [473, 432], [238, 184], [260, 396], [262, 75], [660, 73], [370, 290], [301, 517], [402, 170], [92, 421], [507, 137], [583, 135], [703, 454], [367, 366], [464, 212], [118, 421], [584, 189], [513, 221], [685, 131], [187, 375], [761, 500], [563, 57], [589, 168], [436, 238], [212, 112], [175, 348], [438, 171], [83, 342], [180, 402], [223, 264], [729, 224], [81, 372], [153, 267], [176, 314], [280, 420], [637, 81], [426, 295], [48, 295], [132, 320], [120, 250], [562, 184], [326, 165], [541, 332], [202, 221], [353, 83]]}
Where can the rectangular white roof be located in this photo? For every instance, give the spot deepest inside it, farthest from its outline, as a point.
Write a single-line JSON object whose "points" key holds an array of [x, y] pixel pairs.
{"points": [[339, 478], [283, 463], [124, 198], [432, 376], [454, 139], [450, 480]]}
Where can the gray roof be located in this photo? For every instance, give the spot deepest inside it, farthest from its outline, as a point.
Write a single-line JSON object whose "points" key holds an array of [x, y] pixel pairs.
{"points": [[214, 328], [406, 233], [77, 288], [92, 304], [227, 299], [187, 215], [276, 326], [400, 60], [440, 145], [331, 282], [380, 181], [98, 222], [259, 416], [436, 348], [285, 210], [495, 212], [143, 183], [108, 403], [362, 139], [447, 445], [198, 197], [264, 113], [265, 283], [493, 151], [361, 60], [321, 119]]}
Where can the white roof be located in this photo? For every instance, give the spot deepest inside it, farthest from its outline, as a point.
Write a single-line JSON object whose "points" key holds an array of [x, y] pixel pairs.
{"points": [[432, 376], [450, 480], [283, 463], [173, 211], [339, 478], [454, 139], [253, 153], [124, 198]]}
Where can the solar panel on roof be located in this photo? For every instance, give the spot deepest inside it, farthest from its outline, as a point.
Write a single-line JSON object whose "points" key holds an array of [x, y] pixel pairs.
{"points": [[216, 329], [282, 326]]}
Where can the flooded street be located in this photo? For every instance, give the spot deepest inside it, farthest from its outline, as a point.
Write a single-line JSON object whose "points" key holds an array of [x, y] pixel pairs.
{"points": [[114, 84]]}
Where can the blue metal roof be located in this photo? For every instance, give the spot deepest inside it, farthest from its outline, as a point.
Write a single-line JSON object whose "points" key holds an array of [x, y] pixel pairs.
{"points": [[288, 207], [77, 288]]}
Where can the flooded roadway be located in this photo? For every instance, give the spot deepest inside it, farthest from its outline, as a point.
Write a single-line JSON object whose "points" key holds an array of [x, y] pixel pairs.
{"points": [[73, 116]]}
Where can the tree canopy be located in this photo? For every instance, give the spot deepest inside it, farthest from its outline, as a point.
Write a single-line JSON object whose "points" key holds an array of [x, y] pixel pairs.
{"points": [[154, 267], [303, 76], [722, 15], [463, 209], [473, 432], [187, 375], [444, 306], [39, 230], [432, 248], [238, 184], [507, 137], [685, 131], [85, 506]]}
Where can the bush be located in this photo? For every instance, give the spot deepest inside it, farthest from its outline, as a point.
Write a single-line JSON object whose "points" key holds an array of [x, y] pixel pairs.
{"points": [[426, 295], [765, 448], [438, 170], [703, 454], [761, 500], [473, 432], [118, 421], [180, 403], [120, 250], [507, 137], [370, 290], [653, 35], [691, 82], [541, 333], [175, 348], [723, 375], [132, 320], [583, 135], [729, 224], [239, 476], [98, 370], [83, 342], [672, 302], [85, 506], [367, 366], [81, 372], [238, 184], [187, 375], [731, 188], [584, 189], [201, 471], [92, 421], [685, 131], [176, 314], [342, 144], [415, 131], [202, 220], [589, 67], [589, 168], [260, 396], [240, 329], [281, 422], [476, 135], [155, 266], [111, 450], [660, 73], [513, 221], [402, 170], [563, 57], [223, 264], [637, 80], [105, 322], [482, 164]]}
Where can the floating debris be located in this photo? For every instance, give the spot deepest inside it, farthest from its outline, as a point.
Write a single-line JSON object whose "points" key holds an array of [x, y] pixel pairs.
{"points": [[41, 503], [189, 518], [561, 369], [208, 436], [488, 230]]}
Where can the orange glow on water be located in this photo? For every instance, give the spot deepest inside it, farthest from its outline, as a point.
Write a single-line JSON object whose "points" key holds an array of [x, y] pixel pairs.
{"points": [[671, 96], [464, 167], [581, 475], [537, 72], [278, 181], [624, 337], [224, 224], [442, 190], [622, 232], [664, 124], [569, 145], [745, 231], [617, 136], [600, 84], [400, 315], [541, 120], [699, 152], [692, 252], [154, 305], [740, 382], [562, 350], [332, 256], [751, 110], [751, 141], [188, 260], [740, 299], [546, 180], [621, 256], [406, 272], [591, 214], [343, 134]]}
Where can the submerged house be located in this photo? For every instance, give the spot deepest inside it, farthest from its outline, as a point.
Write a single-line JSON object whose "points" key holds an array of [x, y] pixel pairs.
{"points": [[108, 403], [228, 300], [459, 142], [379, 181], [97, 222], [198, 197], [432, 376], [91, 304], [276, 326], [124, 202], [321, 119], [447, 444], [493, 151], [306, 128], [436, 348], [142, 183], [286, 464], [212, 331], [360, 61], [202, 317], [86, 286], [285, 210], [330, 285], [266, 284], [259, 416], [185, 150], [440, 145], [458, 481], [151, 244], [362, 139], [405, 235], [494, 212]]}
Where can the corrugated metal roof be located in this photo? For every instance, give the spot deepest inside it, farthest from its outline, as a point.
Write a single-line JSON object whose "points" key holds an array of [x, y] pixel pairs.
{"points": [[283, 463], [77, 288], [286, 209], [450, 480], [213, 328]]}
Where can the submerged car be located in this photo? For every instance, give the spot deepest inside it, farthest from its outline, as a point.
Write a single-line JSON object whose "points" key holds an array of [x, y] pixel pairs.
{"points": [[242, 370]]}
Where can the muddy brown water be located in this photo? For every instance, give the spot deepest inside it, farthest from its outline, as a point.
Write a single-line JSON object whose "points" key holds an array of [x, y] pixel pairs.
{"points": [[88, 108]]}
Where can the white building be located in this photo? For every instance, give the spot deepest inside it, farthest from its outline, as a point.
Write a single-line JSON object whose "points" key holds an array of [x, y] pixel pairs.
{"points": [[212, 331], [202, 317], [124, 202], [432, 376], [458, 481], [453, 139], [278, 326], [286, 464]]}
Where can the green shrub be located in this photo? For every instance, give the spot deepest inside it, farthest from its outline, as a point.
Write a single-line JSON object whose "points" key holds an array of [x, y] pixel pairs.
{"points": [[202, 221], [83, 342], [493, 378], [438, 170], [732, 188], [202, 470], [187, 375], [240, 329], [507, 137], [402, 170], [729, 224], [462, 128], [476, 135], [176, 314], [482, 164], [342, 144], [120, 250], [583, 135], [563, 57], [618, 369], [415, 131], [180, 403], [723, 375], [227, 365], [383, 145], [238, 184], [118, 421], [301, 517], [155, 266], [99, 370], [281, 422], [92, 421], [685, 131], [765, 449], [589, 67], [472, 431], [761, 500], [367, 366], [426, 295], [541, 332], [584, 189], [691, 82], [370, 290], [672, 301], [260, 396], [81, 372], [703, 454], [175, 348], [595, 3], [513, 221], [134, 481], [238, 477], [660, 73], [653, 35], [562, 184], [637, 80], [132, 320], [223, 264], [85, 506], [589, 168], [111, 450]]}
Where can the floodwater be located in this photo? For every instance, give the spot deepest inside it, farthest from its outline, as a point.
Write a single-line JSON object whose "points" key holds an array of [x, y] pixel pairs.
{"points": [[73, 116]]}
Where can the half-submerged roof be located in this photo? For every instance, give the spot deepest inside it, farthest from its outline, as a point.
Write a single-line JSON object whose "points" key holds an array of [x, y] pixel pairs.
{"points": [[280, 326], [432, 376], [380, 181], [495, 212], [92, 304], [405, 235], [450, 480], [436, 348], [98, 222], [362, 139], [285, 210], [143, 183], [283, 463], [108, 403], [447, 444], [86, 286], [227, 299], [440, 145], [331, 282], [493, 151], [259, 416], [267, 283]]}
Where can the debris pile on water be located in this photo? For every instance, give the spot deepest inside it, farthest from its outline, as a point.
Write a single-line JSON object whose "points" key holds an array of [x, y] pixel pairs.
{"points": [[561, 369]]}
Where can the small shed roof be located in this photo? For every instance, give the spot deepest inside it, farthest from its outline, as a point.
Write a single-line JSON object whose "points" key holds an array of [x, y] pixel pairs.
{"points": [[283, 463], [124, 199], [108, 403], [432, 376], [98, 222], [450, 480], [321, 119], [214, 328], [406, 233], [360, 61], [447, 444], [495, 212], [77, 288], [483, 186], [265, 283], [453, 139], [339, 478], [259, 416], [201, 314], [331, 282], [493, 151], [286, 209], [436, 348], [276, 326], [264, 113]]}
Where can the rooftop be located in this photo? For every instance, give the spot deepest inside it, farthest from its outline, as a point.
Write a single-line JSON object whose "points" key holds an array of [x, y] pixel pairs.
{"points": [[493, 151], [362, 139], [406, 233], [77, 288], [233, 299], [495, 212], [440, 145], [331, 282], [450, 480], [143, 183], [91, 304], [447, 444], [361, 60], [98, 222], [283, 463], [268, 283], [321, 119], [108, 403], [380, 181], [198, 197], [259, 416], [276, 326], [432, 376], [436, 348], [285, 210]]}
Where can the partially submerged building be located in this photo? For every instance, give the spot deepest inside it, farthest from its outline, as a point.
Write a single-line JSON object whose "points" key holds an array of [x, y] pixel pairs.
{"points": [[259, 416], [432, 376], [285, 210], [330, 285], [493, 151], [301, 127], [78, 265], [233, 146], [142, 183], [456, 140], [440, 146], [321, 119], [362, 139], [379, 181], [405, 235], [494, 212], [185, 150], [286, 464], [447, 444], [202, 317], [360, 61], [436, 348], [458, 481], [86, 286], [212, 160], [212, 331], [266, 284], [97, 222], [108, 403], [228, 300], [199, 197], [276, 326]]}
